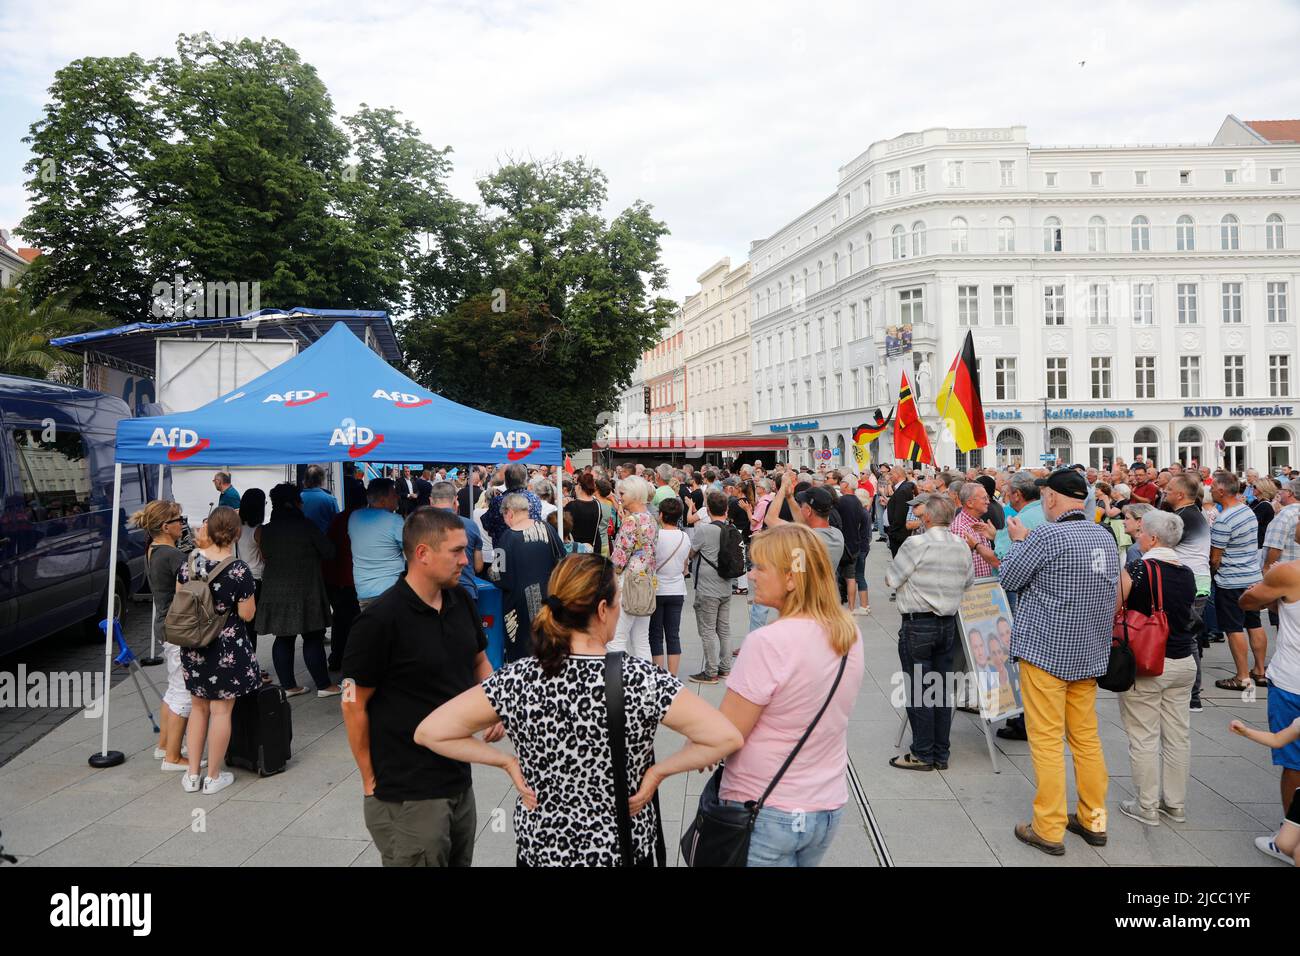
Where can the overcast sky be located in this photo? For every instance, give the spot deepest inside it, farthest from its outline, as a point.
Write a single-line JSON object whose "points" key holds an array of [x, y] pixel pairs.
{"points": [[730, 119]]}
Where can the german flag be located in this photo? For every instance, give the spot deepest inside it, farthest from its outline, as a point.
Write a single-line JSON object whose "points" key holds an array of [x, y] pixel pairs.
{"points": [[910, 440], [959, 402], [865, 434]]}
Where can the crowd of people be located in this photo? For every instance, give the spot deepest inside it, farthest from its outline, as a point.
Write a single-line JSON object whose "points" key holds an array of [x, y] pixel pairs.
{"points": [[1075, 548], [390, 581]]}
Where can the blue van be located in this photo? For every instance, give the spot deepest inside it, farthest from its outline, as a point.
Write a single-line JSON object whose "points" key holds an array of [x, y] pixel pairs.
{"points": [[56, 470]]}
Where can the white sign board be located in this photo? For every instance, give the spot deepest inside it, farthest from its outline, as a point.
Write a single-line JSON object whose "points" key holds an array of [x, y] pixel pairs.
{"points": [[193, 372]]}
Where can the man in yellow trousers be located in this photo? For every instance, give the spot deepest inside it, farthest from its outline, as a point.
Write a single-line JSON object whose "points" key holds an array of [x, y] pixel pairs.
{"points": [[1066, 575]]}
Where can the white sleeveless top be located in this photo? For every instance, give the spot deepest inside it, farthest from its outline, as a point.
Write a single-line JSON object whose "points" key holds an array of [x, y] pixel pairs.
{"points": [[246, 550], [1284, 667]]}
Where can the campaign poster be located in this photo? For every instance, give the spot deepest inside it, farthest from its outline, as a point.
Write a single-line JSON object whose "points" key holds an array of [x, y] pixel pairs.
{"points": [[985, 620]]}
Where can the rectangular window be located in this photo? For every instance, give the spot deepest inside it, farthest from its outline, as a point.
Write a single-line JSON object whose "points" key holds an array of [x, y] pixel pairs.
{"points": [[855, 382], [1004, 379], [1143, 303], [1279, 376], [853, 321], [1189, 376], [54, 473], [1054, 305], [1232, 303], [866, 318], [911, 307], [1004, 305], [956, 172], [1184, 177], [1007, 170], [1275, 176], [1095, 178], [835, 329], [895, 180], [1101, 376], [821, 388], [1187, 309], [1234, 376], [1229, 177], [1277, 301], [1144, 372], [968, 306], [839, 392], [1139, 177], [1049, 180], [1098, 304], [1057, 382], [918, 179]]}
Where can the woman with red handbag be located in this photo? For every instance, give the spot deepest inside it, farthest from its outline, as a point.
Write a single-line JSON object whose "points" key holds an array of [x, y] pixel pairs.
{"points": [[1155, 609]]}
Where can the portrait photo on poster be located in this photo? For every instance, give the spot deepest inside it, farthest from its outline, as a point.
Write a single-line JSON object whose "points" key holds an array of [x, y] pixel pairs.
{"points": [[986, 621]]}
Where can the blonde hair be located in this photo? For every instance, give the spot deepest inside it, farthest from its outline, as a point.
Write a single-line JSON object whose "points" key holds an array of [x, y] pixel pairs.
{"points": [[1266, 488], [634, 489], [794, 549], [154, 515]]}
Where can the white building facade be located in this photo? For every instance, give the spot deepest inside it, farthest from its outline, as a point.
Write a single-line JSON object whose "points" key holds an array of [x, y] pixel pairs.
{"points": [[1124, 300], [718, 354]]}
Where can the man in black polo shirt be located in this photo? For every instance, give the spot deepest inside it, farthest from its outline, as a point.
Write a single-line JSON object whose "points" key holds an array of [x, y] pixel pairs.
{"points": [[414, 648]]}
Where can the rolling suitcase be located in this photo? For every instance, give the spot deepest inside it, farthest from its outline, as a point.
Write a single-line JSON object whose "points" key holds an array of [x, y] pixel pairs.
{"points": [[261, 731]]}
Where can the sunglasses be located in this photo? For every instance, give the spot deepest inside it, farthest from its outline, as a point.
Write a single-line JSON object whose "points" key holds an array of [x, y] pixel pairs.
{"points": [[181, 520]]}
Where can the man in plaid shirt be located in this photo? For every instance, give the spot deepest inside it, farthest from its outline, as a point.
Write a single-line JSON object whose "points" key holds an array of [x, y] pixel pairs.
{"points": [[1066, 575]]}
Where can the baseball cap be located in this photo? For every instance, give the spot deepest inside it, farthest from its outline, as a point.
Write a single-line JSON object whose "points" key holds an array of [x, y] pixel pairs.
{"points": [[1068, 482], [731, 482], [818, 499]]}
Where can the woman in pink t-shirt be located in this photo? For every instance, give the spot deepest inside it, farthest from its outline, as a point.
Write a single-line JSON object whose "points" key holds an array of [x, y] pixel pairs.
{"points": [[776, 689]]}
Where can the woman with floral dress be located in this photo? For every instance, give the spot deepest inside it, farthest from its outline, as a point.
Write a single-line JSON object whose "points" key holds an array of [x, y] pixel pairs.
{"points": [[227, 668], [634, 551]]}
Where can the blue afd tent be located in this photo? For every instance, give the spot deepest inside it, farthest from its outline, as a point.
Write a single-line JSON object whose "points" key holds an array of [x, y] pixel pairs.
{"points": [[334, 401]]}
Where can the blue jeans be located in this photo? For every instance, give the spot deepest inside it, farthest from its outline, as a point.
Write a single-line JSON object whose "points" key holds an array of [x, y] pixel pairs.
{"points": [[666, 624], [785, 838], [860, 569], [927, 646], [760, 615]]}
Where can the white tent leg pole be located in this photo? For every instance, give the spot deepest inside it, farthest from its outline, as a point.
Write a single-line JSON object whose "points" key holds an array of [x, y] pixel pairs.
{"points": [[108, 758]]}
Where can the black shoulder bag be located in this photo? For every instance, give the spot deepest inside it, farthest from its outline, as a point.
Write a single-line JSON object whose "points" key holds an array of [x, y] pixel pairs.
{"points": [[720, 834], [618, 749]]}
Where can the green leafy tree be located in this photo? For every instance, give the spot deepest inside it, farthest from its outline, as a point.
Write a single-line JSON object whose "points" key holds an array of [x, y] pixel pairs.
{"points": [[26, 327], [570, 304]]}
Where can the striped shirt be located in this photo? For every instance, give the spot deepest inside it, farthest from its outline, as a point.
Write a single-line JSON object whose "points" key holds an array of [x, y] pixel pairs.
{"points": [[930, 572], [1236, 532], [1281, 533], [1067, 576]]}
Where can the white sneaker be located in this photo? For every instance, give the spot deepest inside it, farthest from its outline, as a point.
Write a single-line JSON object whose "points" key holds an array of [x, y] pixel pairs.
{"points": [[329, 693], [1130, 808], [223, 780], [190, 782], [168, 766], [159, 753], [1266, 846]]}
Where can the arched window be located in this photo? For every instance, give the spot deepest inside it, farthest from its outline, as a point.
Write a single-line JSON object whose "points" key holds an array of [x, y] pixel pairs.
{"points": [[1274, 235], [1006, 234], [821, 276], [1141, 234], [850, 258], [867, 249], [1191, 447], [1185, 233], [781, 300], [1010, 448], [1051, 234], [1101, 448], [835, 265], [1096, 234], [1234, 450], [959, 233], [1146, 445], [806, 287], [1279, 448], [918, 238], [1229, 233], [898, 242], [1060, 444]]}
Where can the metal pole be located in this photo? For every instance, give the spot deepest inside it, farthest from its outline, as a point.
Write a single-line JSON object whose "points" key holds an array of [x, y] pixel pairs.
{"points": [[107, 758]]}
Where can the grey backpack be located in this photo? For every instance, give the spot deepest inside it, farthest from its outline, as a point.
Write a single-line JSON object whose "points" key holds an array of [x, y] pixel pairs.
{"points": [[193, 620]]}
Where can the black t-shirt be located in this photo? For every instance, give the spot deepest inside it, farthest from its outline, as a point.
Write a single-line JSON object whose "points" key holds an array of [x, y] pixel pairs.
{"points": [[586, 520], [853, 523], [1179, 586], [737, 516], [1264, 514], [417, 659], [694, 494], [422, 488]]}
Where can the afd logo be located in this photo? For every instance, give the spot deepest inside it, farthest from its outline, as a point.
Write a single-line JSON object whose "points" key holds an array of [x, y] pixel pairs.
{"points": [[521, 444], [359, 439], [295, 398], [401, 399], [180, 443]]}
